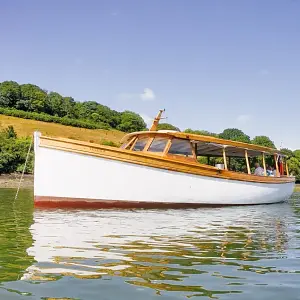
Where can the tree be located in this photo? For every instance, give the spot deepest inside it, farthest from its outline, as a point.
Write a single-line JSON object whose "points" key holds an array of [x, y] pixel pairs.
{"points": [[289, 153], [297, 154], [201, 132], [234, 134], [55, 104], [10, 93], [67, 106], [111, 117], [167, 126], [131, 122], [87, 108], [33, 98], [263, 140], [294, 167]]}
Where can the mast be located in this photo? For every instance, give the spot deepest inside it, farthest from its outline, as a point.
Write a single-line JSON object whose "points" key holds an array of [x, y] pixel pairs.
{"points": [[156, 121]]}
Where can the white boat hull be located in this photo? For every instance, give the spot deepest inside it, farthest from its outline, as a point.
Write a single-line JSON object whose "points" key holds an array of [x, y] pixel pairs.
{"points": [[66, 178]]}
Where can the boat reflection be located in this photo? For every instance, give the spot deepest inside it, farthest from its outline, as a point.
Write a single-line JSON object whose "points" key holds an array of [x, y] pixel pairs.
{"points": [[166, 250]]}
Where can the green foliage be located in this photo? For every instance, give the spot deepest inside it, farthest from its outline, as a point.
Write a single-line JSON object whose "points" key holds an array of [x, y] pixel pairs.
{"points": [[10, 93], [234, 134], [263, 140], [297, 154], [53, 107], [131, 122], [109, 143], [201, 132], [13, 152], [10, 132], [47, 118], [289, 153], [33, 98], [294, 167], [167, 126]]}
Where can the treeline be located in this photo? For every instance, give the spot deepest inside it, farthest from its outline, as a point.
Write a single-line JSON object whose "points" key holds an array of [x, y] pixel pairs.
{"points": [[31, 102]]}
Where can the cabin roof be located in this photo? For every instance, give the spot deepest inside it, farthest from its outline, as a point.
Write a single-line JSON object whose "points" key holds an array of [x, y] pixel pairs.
{"points": [[211, 144]]}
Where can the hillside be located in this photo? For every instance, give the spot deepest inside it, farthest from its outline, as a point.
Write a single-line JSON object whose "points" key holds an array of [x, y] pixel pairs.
{"points": [[25, 127]]}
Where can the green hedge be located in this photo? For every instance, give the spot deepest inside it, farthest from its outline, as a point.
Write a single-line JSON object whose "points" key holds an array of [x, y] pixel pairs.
{"points": [[52, 119]]}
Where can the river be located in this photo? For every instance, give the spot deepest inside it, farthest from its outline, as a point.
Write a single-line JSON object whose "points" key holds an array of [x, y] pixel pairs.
{"points": [[249, 252]]}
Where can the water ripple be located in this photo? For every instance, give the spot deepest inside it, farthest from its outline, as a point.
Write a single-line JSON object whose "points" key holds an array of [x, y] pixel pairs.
{"points": [[218, 253]]}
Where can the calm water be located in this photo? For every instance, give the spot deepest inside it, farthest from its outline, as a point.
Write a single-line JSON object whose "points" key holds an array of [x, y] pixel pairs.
{"points": [[222, 253]]}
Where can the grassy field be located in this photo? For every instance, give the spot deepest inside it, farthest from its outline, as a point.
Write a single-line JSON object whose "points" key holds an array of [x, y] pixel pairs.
{"points": [[25, 127]]}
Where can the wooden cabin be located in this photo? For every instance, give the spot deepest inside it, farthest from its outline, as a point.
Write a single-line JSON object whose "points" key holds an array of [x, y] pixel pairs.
{"points": [[189, 147]]}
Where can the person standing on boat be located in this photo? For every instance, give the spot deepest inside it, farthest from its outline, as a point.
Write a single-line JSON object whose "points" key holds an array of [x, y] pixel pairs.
{"points": [[258, 170]]}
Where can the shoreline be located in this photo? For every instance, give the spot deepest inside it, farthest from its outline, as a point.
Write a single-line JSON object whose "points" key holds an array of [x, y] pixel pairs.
{"points": [[12, 181]]}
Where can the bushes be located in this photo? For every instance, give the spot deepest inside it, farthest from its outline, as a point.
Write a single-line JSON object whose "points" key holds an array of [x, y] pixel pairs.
{"points": [[109, 143], [53, 119], [13, 152]]}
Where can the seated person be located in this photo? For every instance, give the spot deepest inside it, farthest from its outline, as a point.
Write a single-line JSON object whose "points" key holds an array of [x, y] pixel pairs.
{"points": [[269, 171], [258, 170]]}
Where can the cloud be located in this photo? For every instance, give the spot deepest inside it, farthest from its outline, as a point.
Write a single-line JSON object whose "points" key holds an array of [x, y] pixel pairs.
{"points": [[147, 95], [243, 119]]}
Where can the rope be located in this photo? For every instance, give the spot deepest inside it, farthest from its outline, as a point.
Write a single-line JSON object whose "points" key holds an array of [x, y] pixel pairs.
{"points": [[24, 169]]}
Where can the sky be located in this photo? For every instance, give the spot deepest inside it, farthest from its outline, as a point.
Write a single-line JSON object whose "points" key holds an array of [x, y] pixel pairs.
{"points": [[212, 64]]}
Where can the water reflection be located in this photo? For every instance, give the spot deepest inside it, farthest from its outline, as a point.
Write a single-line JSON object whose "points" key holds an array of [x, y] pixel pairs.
{"points": [[203, 252], [15, 237]]}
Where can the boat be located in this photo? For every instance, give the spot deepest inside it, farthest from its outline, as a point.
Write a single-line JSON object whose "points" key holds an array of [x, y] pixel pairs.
{"points": [[155, 169]]}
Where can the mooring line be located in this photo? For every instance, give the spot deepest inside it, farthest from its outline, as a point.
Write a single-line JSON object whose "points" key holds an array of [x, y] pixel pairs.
{"points": [[20, 182]]}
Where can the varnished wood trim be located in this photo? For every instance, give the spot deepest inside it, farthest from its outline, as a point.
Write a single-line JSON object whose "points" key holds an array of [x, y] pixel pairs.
{"points": [[168, 146], [224, 158], [287, 168], [264, 163], [148, 144], [247, 162], [276, 164], [133, 143], [193, 150], [129, 143], [156, 120], [65, 202], [152, 160], [208, 139], [180, 158]]}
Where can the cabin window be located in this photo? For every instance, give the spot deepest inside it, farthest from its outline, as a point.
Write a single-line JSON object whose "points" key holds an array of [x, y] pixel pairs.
{"points": [[158, 144], [181, 147], [128, 144], [140, 144]]}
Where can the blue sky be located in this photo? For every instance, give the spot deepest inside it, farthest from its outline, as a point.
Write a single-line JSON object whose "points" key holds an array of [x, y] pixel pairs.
{"points": [[211, 64]]}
